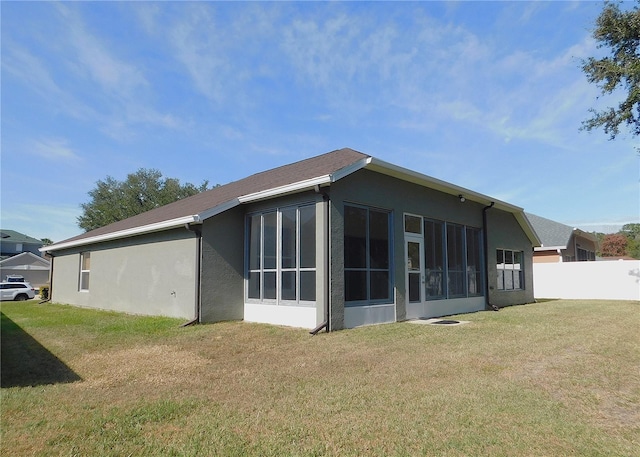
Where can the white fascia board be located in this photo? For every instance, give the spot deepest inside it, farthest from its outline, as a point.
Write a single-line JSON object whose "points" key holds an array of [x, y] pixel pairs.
{"points": [[299, 186], [218, 209], [549, 248], [528, 228], [158, 226], [346, 171], [27, 268]]}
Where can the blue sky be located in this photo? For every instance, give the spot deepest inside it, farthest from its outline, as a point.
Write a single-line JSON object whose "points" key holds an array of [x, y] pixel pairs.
{"points": [[488, 96]]}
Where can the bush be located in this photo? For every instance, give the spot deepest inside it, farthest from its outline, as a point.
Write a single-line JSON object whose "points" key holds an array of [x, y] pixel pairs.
{"points": [[44, 292]]}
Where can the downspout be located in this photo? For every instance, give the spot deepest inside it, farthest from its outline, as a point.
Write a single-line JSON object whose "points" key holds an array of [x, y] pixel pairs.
{"points": [[198, 233], [326, 264], [485, 239]]}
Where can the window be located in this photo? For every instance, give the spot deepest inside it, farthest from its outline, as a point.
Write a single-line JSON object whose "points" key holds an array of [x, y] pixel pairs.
{"points": [[85, 267], [509, 268], [367, 272], [434, 255], [413, 224], [453, 260], [475, 282], [585, 255], [282, 255]]}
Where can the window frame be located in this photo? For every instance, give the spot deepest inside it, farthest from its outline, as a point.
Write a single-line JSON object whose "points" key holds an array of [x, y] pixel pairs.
{"points": [[84, 271], [506, 270], [437, 247], [368, 270], [280, 265]]}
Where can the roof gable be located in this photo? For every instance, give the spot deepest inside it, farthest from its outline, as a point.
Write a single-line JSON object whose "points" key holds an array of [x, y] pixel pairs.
{"points": [[17, 237], [554, 235], [26, 258], [304, 175], [307, 173]]}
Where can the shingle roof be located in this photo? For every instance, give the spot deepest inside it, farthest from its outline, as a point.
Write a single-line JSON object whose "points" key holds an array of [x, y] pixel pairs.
{"points": [[321, 165], [296, 177], [551, 233], [17, 237]]}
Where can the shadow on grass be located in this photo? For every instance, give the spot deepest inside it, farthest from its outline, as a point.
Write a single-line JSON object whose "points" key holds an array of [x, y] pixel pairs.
{"points": [[25, 362]]}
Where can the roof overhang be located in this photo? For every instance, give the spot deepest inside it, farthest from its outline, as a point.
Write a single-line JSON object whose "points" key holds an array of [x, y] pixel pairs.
{"points": [[588, 235], [369, 163], [293, 188], [157, 227], [549, 248], [405, 174]]}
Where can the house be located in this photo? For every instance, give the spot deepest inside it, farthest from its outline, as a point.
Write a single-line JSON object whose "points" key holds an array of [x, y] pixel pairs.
{"points": [[33, 268], [14, 243], [561, 243], [334, 241]]}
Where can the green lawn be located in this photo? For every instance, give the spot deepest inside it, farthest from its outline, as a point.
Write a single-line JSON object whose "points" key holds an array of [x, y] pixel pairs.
{"points": [[548, 379]]}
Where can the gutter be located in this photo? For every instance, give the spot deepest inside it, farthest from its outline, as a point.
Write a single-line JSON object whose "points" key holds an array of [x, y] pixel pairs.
{"points": [[327, 265], [155, 227], [198, 233], [485, 238]]}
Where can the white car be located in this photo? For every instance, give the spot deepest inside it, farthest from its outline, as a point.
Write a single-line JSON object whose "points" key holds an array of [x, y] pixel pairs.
{"points": [[18, 291], [14, 278]]}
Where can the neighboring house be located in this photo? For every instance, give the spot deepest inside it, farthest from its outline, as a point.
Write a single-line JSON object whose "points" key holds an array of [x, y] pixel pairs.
{"points": [[562, 243], [32, 267], [14, 243], [337, 241]]}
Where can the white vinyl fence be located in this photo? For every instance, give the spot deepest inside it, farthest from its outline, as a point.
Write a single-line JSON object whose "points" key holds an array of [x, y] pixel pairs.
{"points": [[609, 280]]}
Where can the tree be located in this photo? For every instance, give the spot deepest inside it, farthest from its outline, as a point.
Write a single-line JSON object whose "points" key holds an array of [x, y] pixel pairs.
{"points": [[613, 245], [619, 32], [114, 200], [46, 241], [632, 233]]}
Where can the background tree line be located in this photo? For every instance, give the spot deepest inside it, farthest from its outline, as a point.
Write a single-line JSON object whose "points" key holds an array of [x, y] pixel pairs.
{"points": [[112, 200], [624, 243]]}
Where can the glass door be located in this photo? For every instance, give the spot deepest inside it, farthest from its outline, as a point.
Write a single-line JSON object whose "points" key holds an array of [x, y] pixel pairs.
{"points": [[415, 270]]}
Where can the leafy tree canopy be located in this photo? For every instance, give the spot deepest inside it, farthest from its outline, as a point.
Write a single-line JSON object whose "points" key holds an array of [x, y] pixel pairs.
{"points": [[614, 245], [114, 200], [632, 233], [617, 31]]}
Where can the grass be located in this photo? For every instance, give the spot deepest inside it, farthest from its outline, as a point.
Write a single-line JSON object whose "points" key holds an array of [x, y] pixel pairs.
{"points": [[547, 379]]}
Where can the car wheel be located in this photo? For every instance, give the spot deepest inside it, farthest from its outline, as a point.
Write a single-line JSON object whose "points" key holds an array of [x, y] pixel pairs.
{"points": [[21, 297]]}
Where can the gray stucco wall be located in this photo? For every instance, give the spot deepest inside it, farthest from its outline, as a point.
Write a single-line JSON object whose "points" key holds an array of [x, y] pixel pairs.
{"points": [[373, 189], [505, 233], [222, 287], [151, 274]]}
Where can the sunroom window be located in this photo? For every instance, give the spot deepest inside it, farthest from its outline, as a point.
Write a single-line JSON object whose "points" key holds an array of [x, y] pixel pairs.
{"points": [[453, 260], [282, 255], [367, 276]]}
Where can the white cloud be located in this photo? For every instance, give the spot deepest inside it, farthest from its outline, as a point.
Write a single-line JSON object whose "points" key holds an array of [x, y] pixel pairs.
{"points": [[53, 149], [200, 47], [56, 222], [111, 73], [30, 70]]}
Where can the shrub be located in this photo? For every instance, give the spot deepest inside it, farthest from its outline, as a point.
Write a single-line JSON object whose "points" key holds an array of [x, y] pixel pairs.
{"points": [[44, 292]]}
